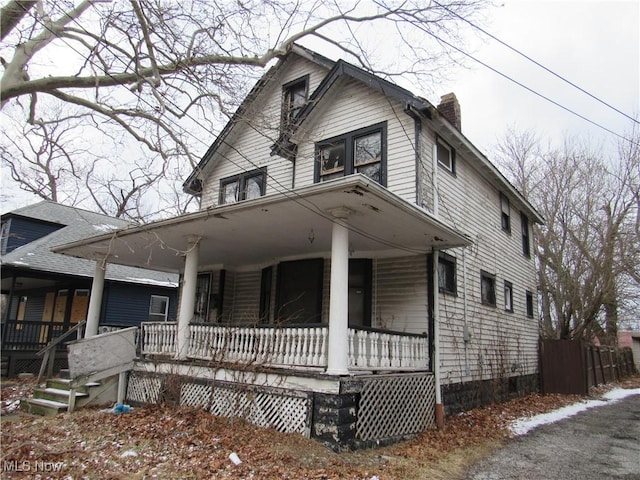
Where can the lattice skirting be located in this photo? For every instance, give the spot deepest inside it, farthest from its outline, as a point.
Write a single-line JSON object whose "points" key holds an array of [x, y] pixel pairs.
{"points": [[395, 406], [266, 407]]}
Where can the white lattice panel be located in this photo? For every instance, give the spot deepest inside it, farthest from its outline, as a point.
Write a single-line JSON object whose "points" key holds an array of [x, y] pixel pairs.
{"points": [[144, 389], [265, 409], [195, 395], [396, 406]]}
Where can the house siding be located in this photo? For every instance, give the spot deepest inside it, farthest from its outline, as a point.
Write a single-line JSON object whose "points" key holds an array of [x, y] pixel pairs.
{"points": [[128, 305], [22, 231], [253, 140], [372, 108], [502, 343]]}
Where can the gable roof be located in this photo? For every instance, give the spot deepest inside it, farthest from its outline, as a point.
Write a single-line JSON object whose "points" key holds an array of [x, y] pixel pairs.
{"points": [[78, 224], [414, 105], [193, 183]]}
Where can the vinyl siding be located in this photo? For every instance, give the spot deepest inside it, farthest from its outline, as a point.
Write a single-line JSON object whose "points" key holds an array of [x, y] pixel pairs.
{"points": [[128, 305], [22, 231]]}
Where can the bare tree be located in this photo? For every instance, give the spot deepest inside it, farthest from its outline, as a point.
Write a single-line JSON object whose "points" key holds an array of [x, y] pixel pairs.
{"points": [[587, 252], [167, 74]]}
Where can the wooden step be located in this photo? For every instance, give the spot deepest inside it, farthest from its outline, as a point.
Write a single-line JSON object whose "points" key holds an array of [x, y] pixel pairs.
{"points": [[56, 394], [41, 406]]}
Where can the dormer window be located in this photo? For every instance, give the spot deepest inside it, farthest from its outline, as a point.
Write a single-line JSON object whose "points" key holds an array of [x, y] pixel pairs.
{"points": [[246, 186], [294, 98]]}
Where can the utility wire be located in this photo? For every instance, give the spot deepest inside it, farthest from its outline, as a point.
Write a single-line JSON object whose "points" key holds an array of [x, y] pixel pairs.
{"points": [[548, 70]]}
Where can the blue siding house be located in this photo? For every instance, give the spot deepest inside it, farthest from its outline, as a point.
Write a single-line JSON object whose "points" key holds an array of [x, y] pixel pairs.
{"points": [[44, 294]]}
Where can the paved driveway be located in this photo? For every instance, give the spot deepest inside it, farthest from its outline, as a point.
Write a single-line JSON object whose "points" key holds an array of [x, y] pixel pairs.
{"points": [[600, 443]]}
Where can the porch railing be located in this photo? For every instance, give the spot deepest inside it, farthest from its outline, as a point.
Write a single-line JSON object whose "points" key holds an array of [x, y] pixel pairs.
{"points": [[306, 346], [31, 335]]}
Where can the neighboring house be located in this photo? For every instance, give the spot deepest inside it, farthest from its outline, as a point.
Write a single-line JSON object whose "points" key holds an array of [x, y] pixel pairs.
{"points": [[356, 265], [631, 339], [45, 293]]}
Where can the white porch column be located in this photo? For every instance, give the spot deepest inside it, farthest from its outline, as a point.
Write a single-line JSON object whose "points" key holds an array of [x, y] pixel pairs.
{"points": [[95, 300], [187, 297], [436, 341], [338, 354]]}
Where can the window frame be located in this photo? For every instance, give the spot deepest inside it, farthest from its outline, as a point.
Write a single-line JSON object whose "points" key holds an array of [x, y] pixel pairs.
{"points": [[490, 301], [508, 297], [287, 114], [452, 156], [505, 216], [448, 261], [166, 308], [526, 236], [242, 179], [529, 303], [349, 140]]}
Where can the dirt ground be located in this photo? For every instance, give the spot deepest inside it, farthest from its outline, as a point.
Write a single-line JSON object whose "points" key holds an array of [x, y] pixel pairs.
{"points": [[185, 443]]}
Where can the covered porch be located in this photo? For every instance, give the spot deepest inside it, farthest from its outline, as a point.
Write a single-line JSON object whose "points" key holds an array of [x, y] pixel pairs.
{"points": [[340, 220]]}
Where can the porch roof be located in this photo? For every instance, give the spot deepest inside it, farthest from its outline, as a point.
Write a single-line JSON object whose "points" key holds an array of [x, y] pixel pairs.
{"points": [[292, 224]]}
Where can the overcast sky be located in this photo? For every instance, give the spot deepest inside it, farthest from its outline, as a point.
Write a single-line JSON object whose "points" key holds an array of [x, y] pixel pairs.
{"points": [[593, 44]]}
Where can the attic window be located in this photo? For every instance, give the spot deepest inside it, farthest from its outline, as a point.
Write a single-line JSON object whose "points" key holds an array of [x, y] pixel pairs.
{"points": [[294, 98], [361, 151]]}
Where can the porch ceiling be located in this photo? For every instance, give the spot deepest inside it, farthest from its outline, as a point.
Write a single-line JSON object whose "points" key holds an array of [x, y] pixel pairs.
{"points": [[292, 224]]}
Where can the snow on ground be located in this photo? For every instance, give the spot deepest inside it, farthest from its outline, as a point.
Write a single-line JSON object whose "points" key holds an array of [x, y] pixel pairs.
{"points": [[524, 425]]}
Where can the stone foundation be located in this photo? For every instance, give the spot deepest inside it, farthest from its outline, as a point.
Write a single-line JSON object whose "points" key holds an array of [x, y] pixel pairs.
{"points": [[459, 397]]}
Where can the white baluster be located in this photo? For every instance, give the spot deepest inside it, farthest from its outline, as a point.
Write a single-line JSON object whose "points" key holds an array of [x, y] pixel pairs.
{"points": [[395, 350], [363, 340]]}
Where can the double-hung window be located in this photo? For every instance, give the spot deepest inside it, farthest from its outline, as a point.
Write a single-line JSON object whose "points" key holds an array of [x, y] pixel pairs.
{"points": [[294, 98], [529, 300], [447, 273], [446, 156], [158, 308], [361, 151], [526, 243], [244, 186], [505, 216], [508, 296], [488, 289]]}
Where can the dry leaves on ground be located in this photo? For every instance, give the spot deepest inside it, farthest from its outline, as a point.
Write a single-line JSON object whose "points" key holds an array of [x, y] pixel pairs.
{"points": [[164, 442]]}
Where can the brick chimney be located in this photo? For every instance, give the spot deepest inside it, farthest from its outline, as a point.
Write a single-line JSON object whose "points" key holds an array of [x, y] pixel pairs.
{"points": [[449, 108]]}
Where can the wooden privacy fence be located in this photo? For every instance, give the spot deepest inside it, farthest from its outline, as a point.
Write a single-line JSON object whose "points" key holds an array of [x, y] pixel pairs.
{"points": [[572, 366]]}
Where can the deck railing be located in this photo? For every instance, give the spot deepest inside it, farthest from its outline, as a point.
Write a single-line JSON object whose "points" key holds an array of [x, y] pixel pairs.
{"points": [[295, 346], [32, 335]]}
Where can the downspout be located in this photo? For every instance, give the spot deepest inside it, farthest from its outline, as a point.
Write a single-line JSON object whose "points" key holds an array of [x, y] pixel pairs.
{"points": [[434, 171], [436, 342], [466, 334]]}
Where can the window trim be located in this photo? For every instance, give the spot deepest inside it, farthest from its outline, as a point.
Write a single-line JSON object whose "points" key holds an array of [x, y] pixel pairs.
{"points": [[508, 297], [490, 302], [526, 236], [529, 303], [242, 178], [166, 309], [452, 156], [505, 216], [349, 139], [286, 118], [444, 259]]}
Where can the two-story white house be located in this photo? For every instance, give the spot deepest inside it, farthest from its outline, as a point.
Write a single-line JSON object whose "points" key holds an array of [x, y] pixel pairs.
{"points": [[356, 267]]}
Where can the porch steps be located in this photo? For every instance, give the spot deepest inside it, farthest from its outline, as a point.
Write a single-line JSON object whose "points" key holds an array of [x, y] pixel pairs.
{"points": [[53, 398]]}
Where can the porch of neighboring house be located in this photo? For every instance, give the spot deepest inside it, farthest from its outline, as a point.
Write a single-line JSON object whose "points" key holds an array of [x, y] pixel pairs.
{"points": [[346, 385]]}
